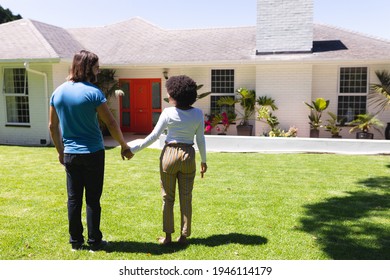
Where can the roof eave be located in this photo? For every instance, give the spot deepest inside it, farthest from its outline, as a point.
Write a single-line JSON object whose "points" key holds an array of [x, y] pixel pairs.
{"points": [[33, 60], [253, 61]]}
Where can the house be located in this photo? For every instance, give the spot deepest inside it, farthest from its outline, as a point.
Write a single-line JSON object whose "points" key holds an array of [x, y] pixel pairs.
{"points": [[285, 56]]}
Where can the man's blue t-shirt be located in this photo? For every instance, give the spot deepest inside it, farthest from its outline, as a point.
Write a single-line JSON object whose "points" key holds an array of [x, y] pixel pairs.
{"points": [[76, 104]]}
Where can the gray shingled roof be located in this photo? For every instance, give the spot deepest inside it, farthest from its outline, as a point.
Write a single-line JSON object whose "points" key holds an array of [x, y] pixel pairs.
{"points": [[28, 39], [137, 42], [359, 46]]}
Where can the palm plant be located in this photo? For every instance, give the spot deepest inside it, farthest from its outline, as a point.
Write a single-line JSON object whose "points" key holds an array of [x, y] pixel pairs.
{"points": [[107, 82], [332, 125], [199, 96], [266, 101], [246, 98], [316, 108], [109, 85], [267, 104], [379, 95], [364, 122]]}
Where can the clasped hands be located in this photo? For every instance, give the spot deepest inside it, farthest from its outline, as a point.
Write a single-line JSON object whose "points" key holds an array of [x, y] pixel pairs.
{"points": [[126, 153]]}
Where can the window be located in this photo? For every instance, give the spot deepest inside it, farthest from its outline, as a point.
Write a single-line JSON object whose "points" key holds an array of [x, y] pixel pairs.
{"points": [[215, 109], [353, 89], [222, 81], [222, 85], [156, 102], [16, 94]]}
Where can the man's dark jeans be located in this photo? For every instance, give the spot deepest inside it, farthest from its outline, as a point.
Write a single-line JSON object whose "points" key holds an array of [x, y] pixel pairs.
{"points": [[84, 171]]}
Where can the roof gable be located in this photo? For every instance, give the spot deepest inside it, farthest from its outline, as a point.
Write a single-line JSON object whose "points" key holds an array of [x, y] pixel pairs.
{"points": [[28, 39], [59, 39]]}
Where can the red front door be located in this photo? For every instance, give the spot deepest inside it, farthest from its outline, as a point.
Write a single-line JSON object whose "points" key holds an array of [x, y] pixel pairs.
{"points": [[141, 104]]}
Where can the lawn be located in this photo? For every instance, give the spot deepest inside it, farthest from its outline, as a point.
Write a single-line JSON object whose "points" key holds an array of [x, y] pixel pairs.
{"points": [[249, 206]]}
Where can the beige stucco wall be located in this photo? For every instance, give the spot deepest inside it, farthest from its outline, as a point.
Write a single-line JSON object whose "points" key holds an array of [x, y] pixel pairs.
{"points": [[36, 133], [325, 85], [289, 84]]}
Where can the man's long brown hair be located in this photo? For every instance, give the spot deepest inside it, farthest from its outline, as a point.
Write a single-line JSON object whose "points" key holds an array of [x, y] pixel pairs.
{"points": [[81, 70]]}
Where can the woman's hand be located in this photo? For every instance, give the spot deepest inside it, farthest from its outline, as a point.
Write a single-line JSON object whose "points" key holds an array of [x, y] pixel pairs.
{"points": [[126, 153], [203, 169]]}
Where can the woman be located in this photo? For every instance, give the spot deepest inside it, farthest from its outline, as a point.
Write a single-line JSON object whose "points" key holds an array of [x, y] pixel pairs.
{"points": [[177, 160], [79, 142]]}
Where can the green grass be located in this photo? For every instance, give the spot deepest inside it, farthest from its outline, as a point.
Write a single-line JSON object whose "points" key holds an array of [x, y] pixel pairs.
{"points": [[248, 207]]}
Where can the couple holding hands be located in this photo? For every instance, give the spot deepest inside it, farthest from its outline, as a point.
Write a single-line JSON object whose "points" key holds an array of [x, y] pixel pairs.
{"points": [[74, 128]]}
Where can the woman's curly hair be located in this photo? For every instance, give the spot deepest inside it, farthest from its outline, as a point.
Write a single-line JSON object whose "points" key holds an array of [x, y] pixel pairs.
{"points": [[182, 89]]}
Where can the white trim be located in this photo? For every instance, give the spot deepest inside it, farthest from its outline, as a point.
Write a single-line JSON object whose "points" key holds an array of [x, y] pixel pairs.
{"points": [[25, 79], [18, 124], [352, 93]]}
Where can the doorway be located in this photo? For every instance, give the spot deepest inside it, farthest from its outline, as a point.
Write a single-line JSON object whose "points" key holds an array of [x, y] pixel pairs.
{"points": [[140, 106]]}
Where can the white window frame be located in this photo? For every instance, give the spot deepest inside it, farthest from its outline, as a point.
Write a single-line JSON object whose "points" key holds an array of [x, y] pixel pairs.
{"points": [[221, 94], [8, 95], [356, 110]]}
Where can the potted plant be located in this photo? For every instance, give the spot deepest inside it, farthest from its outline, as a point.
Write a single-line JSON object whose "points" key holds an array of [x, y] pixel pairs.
{"points": [[332, 125], [264, 112], [208, 124], [379, 95], [247, 99], [363, 123], [316, 108], [223, 121]]}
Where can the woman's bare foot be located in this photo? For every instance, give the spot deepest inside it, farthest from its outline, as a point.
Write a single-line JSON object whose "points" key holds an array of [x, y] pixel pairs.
{"points": [[165, 240], [182, 240]]}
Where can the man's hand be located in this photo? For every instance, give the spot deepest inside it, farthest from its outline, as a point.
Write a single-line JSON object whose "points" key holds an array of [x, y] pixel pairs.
{"points": [[61, 158], [126, 153]]}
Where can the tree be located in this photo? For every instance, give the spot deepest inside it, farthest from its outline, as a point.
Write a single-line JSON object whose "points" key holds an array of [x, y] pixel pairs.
{"points": [[6, 15]]}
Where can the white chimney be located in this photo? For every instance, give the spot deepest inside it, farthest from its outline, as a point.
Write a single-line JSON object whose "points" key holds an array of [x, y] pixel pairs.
{"points": [[284, 26]]}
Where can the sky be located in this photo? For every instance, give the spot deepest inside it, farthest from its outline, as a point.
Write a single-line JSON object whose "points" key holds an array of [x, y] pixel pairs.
{"points": [[367, 17]]}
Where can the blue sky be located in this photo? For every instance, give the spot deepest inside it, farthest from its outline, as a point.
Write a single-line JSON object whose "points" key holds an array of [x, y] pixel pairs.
{"points": [[368, 17]]}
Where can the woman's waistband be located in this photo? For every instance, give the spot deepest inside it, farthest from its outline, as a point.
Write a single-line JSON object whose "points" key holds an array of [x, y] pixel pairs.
{"points": [[178, 144]]}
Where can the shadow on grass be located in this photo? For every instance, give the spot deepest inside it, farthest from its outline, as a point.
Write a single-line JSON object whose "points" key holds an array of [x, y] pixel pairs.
{"points": [[156, 249], [351, 227], [223, 239]]}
